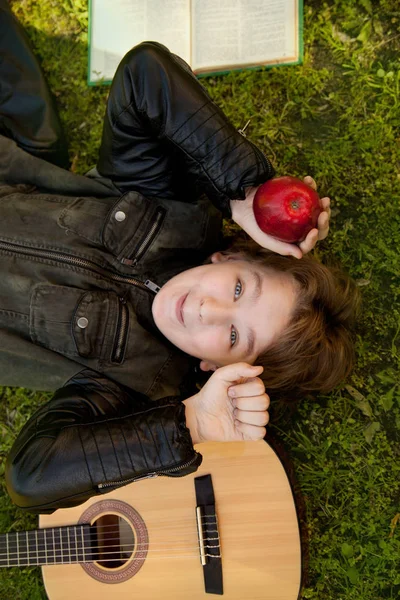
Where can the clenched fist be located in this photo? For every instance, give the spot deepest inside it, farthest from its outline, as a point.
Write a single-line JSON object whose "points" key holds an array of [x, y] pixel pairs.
{"points": [[232, 406]]}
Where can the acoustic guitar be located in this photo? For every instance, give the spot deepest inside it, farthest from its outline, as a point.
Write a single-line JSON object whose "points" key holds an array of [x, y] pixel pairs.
{"points": [[231, 528]]}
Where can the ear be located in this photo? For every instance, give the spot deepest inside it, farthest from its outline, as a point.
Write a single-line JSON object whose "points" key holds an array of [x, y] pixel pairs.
{"points": [[207, 366], [220, 257]]}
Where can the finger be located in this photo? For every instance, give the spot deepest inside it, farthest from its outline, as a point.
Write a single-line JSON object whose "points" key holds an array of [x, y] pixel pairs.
{"points": [[310, 241], [271, 243], [256, 403], [252, 387], [235, 372], [326, 205], [251, 417], [323, 225], [250, 432], [310, 181]]}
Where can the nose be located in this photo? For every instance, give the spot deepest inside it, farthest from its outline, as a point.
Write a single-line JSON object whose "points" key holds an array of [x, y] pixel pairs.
{"points": [[213, 311]]}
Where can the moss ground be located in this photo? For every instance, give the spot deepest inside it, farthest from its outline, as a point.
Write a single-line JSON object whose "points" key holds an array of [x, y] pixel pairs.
{"points": [[335, 117]]}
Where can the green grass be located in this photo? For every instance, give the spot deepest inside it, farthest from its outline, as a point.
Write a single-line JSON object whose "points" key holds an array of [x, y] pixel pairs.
{"points": [[337, 118]]}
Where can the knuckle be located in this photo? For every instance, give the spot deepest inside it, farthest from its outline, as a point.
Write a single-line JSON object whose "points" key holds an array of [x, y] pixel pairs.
{"points": [[265, 419], [261, 433], [260, 388]]}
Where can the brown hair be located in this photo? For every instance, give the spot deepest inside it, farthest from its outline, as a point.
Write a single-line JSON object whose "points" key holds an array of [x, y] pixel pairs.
{"points": [[316, 351]]}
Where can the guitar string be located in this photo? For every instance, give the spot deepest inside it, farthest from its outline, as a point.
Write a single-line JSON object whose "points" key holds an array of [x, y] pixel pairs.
{"points": [[63, 538], [101, 528], [136, 558], [65, 532], [54, 557], [27, 554], [135, 547]]}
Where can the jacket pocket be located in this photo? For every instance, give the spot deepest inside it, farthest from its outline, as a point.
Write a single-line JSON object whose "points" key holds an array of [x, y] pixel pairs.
{"points": [[144, 243], [127, 228], [135, 229], [90, 325]]}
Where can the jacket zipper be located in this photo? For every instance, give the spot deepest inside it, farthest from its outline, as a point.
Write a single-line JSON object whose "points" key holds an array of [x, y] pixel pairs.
{"points": [[264, 160], [147, 239], [122, 332], [83, 263], [102, 486]]}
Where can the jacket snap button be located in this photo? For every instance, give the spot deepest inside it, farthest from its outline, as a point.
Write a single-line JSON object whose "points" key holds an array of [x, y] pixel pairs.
{"points": [[120, 215], [82, 322]]}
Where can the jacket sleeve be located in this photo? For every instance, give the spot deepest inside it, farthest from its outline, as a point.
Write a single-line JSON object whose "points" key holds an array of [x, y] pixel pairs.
{"points": [[162, 130], [92, 437]]}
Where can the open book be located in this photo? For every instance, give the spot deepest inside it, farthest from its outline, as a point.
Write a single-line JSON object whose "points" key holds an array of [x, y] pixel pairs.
{"points": [[212, 36]]}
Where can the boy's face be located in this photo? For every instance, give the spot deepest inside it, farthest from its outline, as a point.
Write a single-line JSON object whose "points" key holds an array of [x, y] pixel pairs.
{"points": [[225, 312]]}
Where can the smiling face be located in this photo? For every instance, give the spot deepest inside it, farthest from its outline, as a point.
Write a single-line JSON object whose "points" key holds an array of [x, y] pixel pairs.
{"points": [[225, 312]]}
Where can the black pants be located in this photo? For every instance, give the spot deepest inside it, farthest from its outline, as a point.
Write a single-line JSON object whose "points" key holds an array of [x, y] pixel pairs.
{"points": [[27, 109], [151, 113]]}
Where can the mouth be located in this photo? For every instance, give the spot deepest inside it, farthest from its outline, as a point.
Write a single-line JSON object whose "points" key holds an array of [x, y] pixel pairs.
{"points": [[179, 309]]}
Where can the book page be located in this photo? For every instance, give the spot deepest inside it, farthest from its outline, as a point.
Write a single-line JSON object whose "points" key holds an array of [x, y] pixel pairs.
{"points": [[168, 22], [234, 33], [118, 25]]}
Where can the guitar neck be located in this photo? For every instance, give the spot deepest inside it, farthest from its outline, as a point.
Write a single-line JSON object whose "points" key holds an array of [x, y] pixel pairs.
{"points": [[54, 545]]}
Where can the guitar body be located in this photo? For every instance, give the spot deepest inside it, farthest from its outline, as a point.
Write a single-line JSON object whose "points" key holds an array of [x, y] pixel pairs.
{"points": [[257, 526]]}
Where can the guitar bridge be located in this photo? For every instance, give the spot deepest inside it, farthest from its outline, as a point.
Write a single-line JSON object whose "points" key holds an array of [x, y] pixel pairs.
{"points": [[208, 534]]}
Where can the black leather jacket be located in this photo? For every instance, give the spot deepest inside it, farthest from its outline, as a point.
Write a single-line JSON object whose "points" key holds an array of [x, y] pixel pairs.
{"points": [[79, 258]]}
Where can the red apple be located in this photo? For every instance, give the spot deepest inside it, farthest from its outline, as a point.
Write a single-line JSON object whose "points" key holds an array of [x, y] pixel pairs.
{"points": [[286, 208]]}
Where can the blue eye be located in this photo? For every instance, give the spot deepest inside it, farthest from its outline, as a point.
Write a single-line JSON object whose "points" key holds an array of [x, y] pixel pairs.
{"points": [[233, 336], [238, 292], [238, 289]]}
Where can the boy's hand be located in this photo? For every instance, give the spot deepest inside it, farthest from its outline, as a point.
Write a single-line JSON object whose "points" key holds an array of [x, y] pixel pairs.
{"points": [[232, 406], [243, 215]]}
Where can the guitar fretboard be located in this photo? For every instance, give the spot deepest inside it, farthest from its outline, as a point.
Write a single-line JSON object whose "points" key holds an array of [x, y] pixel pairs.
{"points": [[71, 544]]}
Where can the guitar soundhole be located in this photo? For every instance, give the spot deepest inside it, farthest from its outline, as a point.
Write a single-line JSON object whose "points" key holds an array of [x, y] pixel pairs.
{"points": [[115, 541], [121, 541]]}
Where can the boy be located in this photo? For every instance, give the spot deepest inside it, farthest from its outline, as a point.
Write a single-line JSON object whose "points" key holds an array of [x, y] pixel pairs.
{"points": [[104, 283]]}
